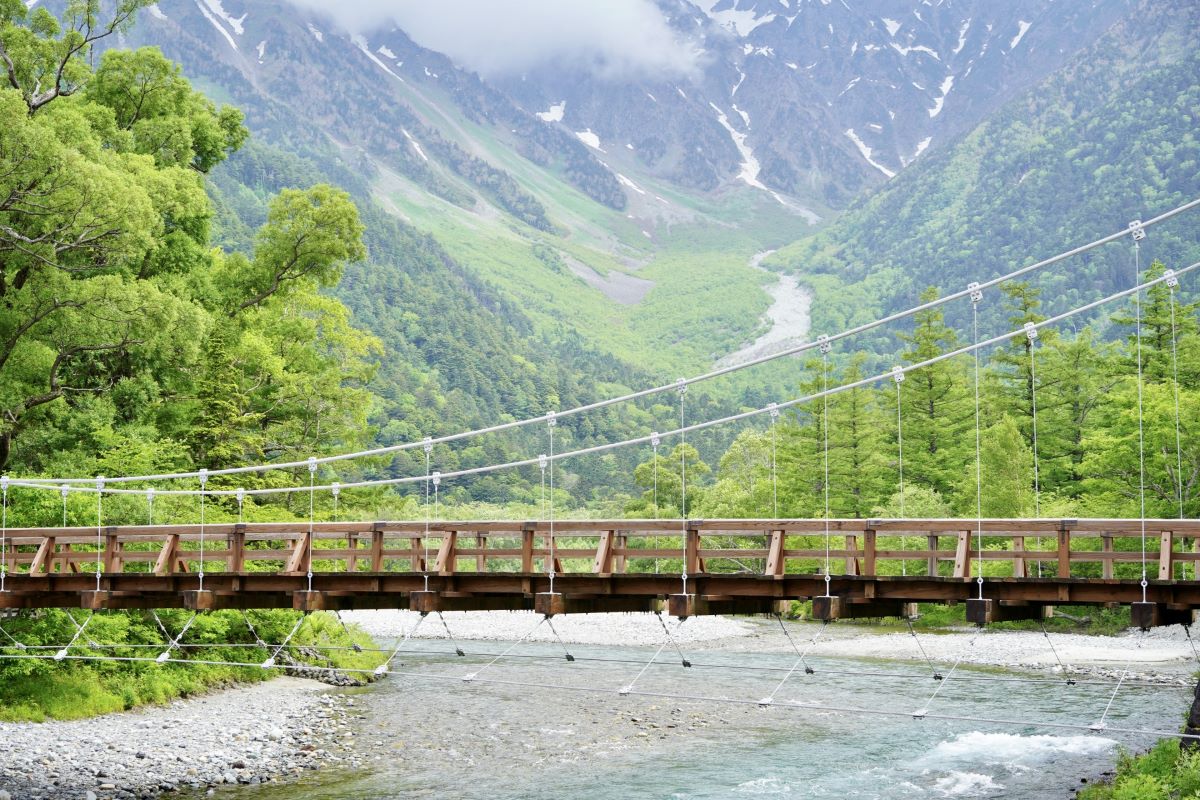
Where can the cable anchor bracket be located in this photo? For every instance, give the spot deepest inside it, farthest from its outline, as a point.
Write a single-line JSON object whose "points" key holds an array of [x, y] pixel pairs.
{"points": [[976, 292], [1031, 331], [824, 344], [898, 374], [1170, 278], [1136, 230]]}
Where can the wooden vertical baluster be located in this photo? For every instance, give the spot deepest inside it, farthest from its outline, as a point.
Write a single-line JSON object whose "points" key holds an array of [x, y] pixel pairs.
{"points": [[1106, 568], [1018, 563], [931, 563]]}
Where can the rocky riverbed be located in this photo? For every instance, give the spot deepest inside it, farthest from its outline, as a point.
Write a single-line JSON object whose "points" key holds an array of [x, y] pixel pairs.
{"points": [[268, 732]]}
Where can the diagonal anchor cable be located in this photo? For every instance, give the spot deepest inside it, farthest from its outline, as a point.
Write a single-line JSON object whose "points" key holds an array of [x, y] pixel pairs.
{"points": [[470, 676], [807, 669], [922, 712], [172, 641], [458, 651], [937, 676], [766, 701], [61, 654], [354, 645], [382, 669], [626, 689], [682, 658], [566, 652], [1061, 665], [270, 662], [1099, 726]]}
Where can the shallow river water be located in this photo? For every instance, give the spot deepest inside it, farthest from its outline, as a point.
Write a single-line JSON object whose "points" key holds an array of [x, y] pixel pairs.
{"points": [[539, 731]]}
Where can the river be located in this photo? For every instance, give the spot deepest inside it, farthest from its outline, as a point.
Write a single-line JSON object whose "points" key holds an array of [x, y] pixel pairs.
{"points": [[539, 732], [788, 316]]}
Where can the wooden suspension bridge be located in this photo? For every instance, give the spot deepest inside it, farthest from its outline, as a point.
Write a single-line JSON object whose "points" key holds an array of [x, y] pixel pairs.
{"points": [[847, 567]]}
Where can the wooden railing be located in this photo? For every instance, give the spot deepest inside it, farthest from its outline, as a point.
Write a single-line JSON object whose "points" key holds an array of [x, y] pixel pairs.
{"points": [[1101, 548]]}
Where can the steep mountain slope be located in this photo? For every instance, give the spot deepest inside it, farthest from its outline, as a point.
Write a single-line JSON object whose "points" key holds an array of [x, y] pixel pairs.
{"points": [[818, 100], [1109, 139]]}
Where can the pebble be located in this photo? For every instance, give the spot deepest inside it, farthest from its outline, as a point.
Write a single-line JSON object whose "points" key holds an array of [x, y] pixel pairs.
{"points": [[244, 735]]}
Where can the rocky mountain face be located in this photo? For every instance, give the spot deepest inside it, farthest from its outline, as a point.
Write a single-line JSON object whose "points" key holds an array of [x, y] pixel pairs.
{"points": [[811, 101]]}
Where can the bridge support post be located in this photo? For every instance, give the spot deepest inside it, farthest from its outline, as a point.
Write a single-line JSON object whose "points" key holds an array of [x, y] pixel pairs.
{"points": [[980, 611], [681, 605], [549, 604], [306, 601], [826, 608], [1145, 615], [198, 600], [424, 602], [94, 600]]}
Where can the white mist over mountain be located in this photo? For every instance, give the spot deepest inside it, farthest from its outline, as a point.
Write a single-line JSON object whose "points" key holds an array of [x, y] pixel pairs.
{"points": [[614, 38]]}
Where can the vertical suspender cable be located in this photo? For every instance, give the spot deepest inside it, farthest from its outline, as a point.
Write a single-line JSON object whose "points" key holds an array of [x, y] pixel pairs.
{"points": [[898, 378], [241, 501], [976, 296], [149, 507], [774, 472], [312, 475], [1031, 333], [1173, 282], [203, 481], [3, 531], [335, 490], [64, 491], [99, 533], [1137, 304], [654, 442], [682, 384], [425, 539], [825, 348], [551, 422]]}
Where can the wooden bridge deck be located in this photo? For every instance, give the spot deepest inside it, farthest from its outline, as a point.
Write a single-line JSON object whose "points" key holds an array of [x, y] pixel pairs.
{"points": [[876, 567]]}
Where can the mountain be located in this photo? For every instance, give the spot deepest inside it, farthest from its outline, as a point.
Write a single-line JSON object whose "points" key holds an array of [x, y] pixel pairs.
{"points": [[1108, 139]]}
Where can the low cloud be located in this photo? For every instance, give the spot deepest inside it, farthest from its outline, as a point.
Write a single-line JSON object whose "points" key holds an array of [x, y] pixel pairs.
{"points": [[614, 38]]}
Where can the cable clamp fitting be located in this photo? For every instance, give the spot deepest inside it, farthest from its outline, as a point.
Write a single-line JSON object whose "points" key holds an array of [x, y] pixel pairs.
{"points": [[1136, 230], [543, 461], [1031, 331], [437, 478], [898, 374], [65, 490], [655, 440], [681, 385], [976, 292], [824, 343], [428, 445], [241, 495], [773, 410], [4, 483], [149, 493], [204, 476], [1170, 278], [312, 464], [335, 488], [551, 419], [99, 483]]}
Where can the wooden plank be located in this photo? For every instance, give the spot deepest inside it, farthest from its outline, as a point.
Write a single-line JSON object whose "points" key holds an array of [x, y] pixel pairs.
{"points": [[352, 557], [377, 550], [931, 560], [299, 561], [1108, 564], [851, 567], [1018, 546], [42, 560], [446, 556], [1165, 564], [602, 565], [1064, 554], [481, 557], [869, 553], [167, 557], [775, 559], [692, 552], [527, 550], [620, 545], [962, 555], [235, 560]]}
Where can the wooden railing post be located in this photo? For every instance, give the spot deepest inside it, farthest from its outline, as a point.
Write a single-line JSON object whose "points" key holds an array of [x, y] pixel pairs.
{"points": [[527, 532], [775, 557], [1018, 546], [962, 555], [352, 546], [1166, 563], [299, 561], [377, 548], [481, 544], [621, 544], [44, 558], [931, 563], [869, 542], [237, 549], [1064, 549], [851, 559], [602, 565], [112, 551], [1106, 569], [691, 552], [165, 565]]}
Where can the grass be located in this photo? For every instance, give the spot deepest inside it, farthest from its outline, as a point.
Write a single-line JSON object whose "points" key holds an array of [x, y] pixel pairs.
{"points": [[36, 690], [1165, 772]]}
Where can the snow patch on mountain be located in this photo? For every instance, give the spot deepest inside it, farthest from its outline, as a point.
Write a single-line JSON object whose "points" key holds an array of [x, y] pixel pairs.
{"points": [[554, 113], [626, 182], [921, 146], [415, 144], [153, 8], [962, 36], [208, 15], [865, 151], [892, 26], [262, 50], [235, 24], [1022, 28], [320, 37], [590, 139], [920, 48], [749, 169], [361, 44], [947, 84], [384, 50], [740, 22]]}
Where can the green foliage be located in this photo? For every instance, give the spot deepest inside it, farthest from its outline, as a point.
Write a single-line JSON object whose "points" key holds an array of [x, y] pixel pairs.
{"points": [[1165, 772]]}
